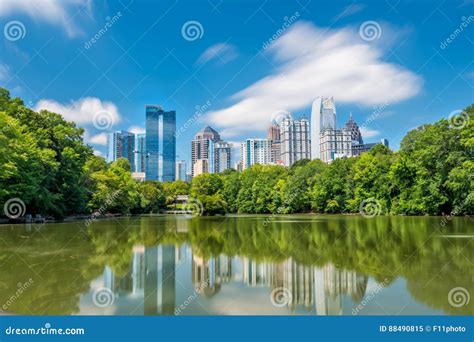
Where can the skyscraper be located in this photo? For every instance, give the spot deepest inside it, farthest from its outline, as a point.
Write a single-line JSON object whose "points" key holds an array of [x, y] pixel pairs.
{"points": [[202, 147], [323, 116], [140, 152], [181, 170], [274, 135], [121, 144], [255, 151], [295, 141], [222, 156], [352, 127], [160, 144]]}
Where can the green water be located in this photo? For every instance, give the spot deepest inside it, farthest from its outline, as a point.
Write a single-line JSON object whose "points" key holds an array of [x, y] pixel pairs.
{"points": [[250, 265]]}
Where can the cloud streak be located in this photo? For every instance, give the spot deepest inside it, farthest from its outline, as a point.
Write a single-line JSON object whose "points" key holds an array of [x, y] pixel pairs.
{"points": [[56, 12], [223, 53], [314, 62]]}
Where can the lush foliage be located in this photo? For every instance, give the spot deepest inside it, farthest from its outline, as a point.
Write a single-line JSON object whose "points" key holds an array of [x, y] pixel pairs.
{"points": [[45, 163]]}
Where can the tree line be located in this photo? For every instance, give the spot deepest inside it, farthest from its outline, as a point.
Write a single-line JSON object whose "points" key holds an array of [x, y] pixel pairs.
{"points": [[45, 163]]}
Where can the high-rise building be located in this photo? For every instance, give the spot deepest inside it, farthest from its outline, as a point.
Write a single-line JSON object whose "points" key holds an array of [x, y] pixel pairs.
{"points": [[160, 144], [323, 116], [222, 156], [121, 144], [202, 147], [352, 127], [200, 166], [181, 170], [335, 143], [274, 135], [140, 152], [295, 141], [255, 151]]}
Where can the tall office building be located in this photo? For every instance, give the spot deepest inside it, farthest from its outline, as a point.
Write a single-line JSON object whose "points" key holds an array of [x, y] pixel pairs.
{"points": [[121, 144], [200, 166], [295, 141], [140, 152], [202, 147], [222, 156], [335, 143], [255, 151], [181, 170], [160, 144], [352, 127], [274, 135], [323, 116]]}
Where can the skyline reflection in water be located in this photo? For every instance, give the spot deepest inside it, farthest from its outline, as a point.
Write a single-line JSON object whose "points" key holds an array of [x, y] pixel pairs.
{"points": [[304, 265]]}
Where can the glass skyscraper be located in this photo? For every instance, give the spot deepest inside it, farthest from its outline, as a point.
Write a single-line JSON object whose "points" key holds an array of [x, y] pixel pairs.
{"points": [[121, 144], [160, 144], [140, 152]]}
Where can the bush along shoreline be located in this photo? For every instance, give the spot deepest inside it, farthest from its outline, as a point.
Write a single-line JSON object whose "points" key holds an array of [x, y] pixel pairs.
{"points": [[48, 170]]}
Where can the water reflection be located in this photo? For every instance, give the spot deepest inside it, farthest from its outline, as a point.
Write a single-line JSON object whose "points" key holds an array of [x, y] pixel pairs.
{"points": [[167, 265]]}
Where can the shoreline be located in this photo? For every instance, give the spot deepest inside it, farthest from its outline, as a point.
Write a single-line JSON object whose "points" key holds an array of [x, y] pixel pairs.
{"points": [[87, 218]]}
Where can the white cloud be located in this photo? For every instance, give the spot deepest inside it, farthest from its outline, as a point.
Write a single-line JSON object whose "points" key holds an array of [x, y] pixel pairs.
{"points": [[83, 111], [98, 153], [315, 62], [98, 139], [368, 133], [222, 52], [136, 130], [350, 10], [56, 12]]}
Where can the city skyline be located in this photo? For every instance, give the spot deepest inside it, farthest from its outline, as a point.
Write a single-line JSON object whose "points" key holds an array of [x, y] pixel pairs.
{"points": [[398, 79]]}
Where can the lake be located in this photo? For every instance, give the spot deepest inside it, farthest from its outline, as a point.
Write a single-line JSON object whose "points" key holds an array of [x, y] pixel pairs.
{"points": [[239, 265]]}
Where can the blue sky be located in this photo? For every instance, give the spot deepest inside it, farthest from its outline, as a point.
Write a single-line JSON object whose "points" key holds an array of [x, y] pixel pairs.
{"points": [[393, 64]]}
